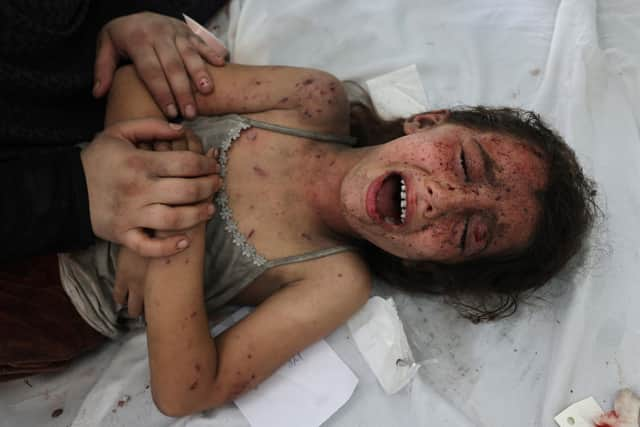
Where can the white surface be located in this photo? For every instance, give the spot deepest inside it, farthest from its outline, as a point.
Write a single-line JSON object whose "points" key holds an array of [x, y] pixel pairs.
{"points": [[576, 62], [398, 94], [580, 414], [304, 392], [379, 335]]}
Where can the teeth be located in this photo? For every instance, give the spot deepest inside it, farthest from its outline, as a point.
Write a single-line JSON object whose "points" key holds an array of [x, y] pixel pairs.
{"points": [[403, 201]]}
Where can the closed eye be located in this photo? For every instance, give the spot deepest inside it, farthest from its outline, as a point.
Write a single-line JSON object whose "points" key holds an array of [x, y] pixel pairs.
{"points": [[463, 238], [463, 163]]}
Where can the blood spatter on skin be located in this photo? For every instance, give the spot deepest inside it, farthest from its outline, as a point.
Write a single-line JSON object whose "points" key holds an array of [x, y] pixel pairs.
{"points": [[167, 261], [249, 356], [251, 233], [260, 172], [56, 413], [186, 261], [193, 314], [339, 274], [197, 367], [193, 386], [306, 236], [283, 100], [307, 82]]}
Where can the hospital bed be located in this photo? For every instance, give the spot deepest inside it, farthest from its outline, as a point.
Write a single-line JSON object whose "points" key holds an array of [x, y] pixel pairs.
{"points": [[577, 62]]}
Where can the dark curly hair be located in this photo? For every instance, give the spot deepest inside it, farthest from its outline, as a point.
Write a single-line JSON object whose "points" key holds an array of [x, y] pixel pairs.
{"points": [[489, 288]]}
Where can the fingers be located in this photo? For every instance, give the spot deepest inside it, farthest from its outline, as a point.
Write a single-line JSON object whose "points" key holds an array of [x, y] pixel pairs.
{"points": [[145, 130], [105, 65], [135, 301], [181, 191], [129, 283], [169, 218], [209, 46], [176, 74], [151, 72], [194, 64], [147, 246], [181, 164]]}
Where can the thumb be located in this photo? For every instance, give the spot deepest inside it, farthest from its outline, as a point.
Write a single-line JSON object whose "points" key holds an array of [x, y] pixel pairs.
{"points": [[143, 130], [151, 247], [106, 62]]}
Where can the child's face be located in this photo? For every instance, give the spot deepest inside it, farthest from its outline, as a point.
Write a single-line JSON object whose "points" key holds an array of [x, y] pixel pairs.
{"points": [[446, 193]]}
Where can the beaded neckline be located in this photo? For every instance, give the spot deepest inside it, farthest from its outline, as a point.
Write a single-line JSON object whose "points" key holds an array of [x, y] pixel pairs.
{"points": [[222, 201]]}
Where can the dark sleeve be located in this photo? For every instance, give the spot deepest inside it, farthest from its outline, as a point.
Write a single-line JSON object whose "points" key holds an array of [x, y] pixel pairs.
{"points": [[44, 204]]}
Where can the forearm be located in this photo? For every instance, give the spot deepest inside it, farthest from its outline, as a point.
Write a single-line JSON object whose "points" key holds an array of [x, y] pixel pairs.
{"points": [[44, 204], [318, 97], [182, 354]]}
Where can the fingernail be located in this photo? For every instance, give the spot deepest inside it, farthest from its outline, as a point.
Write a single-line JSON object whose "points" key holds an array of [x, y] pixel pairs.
{"points": [[211, 209], [182, 244], [190, 111], [176, 126], [96, 86], [172, 111], [204, 83]]}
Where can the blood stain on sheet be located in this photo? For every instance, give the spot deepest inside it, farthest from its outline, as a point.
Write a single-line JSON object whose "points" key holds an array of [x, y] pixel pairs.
{"points": [[122, 402], [57, 413]]}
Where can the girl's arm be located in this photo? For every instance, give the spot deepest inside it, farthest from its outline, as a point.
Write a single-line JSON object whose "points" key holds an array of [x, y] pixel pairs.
{"points": [[191, 371], [316, 98]]}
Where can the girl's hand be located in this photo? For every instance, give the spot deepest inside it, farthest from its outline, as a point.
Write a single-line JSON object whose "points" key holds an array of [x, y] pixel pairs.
{"points": [[167, 55], [129, 285]]}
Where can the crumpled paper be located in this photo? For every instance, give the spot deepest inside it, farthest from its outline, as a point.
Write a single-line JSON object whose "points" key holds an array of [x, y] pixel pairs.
{"points": [[398, 94], [379, 335]]}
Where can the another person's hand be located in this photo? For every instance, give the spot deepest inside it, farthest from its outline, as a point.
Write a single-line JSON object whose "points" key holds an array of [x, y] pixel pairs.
{"points": [[167, 55], [132, 191], [131, 268]]}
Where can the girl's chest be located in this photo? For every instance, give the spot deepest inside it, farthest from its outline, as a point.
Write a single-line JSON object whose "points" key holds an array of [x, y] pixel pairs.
{"points": [[264, 183]]}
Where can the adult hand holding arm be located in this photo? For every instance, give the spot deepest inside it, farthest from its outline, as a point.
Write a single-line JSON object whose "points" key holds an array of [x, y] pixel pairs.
{"points": [[131, 190], [166, 54]]}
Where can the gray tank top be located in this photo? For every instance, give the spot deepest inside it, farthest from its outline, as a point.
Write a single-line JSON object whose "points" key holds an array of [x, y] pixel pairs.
{"points": [[231, 261]]}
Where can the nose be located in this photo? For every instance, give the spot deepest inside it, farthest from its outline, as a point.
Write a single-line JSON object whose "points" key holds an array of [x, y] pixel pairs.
{"points": [[441, 198]]}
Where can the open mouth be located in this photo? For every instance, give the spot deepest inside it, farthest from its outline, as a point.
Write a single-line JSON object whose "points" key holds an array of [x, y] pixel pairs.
{"points": [[391, 200]]}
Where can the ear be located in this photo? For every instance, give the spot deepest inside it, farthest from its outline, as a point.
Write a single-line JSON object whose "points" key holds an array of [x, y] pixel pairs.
{"points": [[425, 121]]}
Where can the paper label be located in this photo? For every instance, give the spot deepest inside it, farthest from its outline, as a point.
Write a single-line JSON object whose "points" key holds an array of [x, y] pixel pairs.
{"points": [[580, 414]]}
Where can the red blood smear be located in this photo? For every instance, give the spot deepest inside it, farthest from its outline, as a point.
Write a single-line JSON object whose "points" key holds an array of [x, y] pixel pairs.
{"points": [[386, 201], [610, 414]]}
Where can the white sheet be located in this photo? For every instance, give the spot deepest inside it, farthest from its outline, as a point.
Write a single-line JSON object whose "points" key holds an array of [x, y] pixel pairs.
{"points": [[575, 61]]}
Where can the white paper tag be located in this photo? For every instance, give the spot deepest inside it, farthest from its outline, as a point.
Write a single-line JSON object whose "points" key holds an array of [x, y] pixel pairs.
{"points": [[580, 414], [379, 335], [398, 94], [207, 36]]}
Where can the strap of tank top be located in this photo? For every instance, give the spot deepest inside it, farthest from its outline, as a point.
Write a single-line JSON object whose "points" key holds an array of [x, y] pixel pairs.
{"points": [[308, 256], [326, 137]]}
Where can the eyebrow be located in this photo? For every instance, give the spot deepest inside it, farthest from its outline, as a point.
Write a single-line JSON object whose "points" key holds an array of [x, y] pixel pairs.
{"points": [[487, 164]]}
